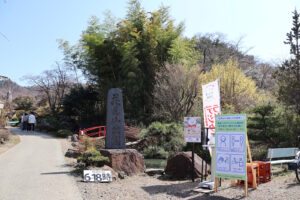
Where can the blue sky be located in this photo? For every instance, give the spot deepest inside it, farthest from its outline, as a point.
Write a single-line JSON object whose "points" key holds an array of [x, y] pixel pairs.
{"points": [[33, 26]]}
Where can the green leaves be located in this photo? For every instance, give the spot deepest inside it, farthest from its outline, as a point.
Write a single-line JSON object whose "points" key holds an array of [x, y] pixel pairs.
{"points": [[24, 103], [128, 55], [288, 75], [163, 139], [264, 125]]}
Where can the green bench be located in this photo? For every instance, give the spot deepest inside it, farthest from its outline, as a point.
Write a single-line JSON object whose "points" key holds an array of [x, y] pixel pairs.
{"points": [[286, 153]]}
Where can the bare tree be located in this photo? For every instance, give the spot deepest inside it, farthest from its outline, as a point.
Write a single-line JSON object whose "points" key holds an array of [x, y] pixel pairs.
{"points": [[175, 92], [53, 84]]}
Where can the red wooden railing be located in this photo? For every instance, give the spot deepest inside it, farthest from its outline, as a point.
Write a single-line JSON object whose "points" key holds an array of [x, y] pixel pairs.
{"points": [[97, 131], [100, 131]]}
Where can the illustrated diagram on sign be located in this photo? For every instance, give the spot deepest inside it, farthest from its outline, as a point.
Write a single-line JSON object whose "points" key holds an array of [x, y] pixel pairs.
{"points": [[237, 164], [223, 142], [237, 143], [223, 162]]}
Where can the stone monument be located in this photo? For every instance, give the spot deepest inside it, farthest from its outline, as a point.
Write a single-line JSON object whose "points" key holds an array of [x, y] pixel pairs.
{"points": [[115, 136], [124, 161]]}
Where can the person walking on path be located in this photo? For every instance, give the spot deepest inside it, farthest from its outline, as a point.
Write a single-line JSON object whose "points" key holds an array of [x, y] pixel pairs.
{"points": [[31, 121], [25, 122], [22, 121]]}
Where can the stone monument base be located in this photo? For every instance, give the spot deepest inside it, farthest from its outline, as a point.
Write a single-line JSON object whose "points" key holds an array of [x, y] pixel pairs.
{"points": [[127, 161]]}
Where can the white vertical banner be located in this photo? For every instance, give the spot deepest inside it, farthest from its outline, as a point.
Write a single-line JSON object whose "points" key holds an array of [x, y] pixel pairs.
{"points": [[211, 108]]}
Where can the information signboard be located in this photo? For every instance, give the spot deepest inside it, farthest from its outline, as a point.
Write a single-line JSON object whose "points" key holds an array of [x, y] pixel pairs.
{"points": [[192, 129], [231, 152]]}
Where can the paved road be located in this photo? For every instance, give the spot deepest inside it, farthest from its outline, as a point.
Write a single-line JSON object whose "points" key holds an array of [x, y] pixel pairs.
{"points": [[35, 170]]}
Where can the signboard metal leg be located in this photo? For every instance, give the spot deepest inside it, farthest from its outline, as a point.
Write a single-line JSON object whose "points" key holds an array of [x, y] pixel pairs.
{"points": [[205, 142], [246, 188], [193, 161]]}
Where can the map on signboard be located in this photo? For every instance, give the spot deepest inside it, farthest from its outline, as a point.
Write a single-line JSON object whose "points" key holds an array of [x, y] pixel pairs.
{"points": [[231, 154], [192, 129]]}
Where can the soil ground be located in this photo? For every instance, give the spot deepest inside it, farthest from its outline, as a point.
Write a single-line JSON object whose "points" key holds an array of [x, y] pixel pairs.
{"points": [[283, 186]]}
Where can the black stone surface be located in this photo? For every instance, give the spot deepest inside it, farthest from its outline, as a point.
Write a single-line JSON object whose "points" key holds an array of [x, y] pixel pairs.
{"points": [[115, 136]]}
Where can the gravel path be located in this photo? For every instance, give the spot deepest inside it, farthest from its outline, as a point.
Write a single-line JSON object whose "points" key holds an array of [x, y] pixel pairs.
{"points": [[35, 169], [149, 188], [144, 187]]}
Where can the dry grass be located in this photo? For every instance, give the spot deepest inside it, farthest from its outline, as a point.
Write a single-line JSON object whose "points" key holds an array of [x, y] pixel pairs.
{"points": [[12, 141]]}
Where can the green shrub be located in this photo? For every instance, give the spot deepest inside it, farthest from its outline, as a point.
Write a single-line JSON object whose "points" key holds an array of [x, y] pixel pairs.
{"points": [[64, 133], [155, 152], [49, 124], [86, 143], [99, 143], [92, 157], [162, 140], [155, 163], [15, 119], [258, 151]]}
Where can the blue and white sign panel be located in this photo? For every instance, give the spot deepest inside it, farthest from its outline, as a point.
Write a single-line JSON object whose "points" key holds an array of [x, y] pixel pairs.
{"points": [[231, 154]]}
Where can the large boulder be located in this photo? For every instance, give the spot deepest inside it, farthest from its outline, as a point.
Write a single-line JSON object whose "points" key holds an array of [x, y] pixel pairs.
{"points": [[74, 138], [72, 153], [180, 165], [138, 145], [125, 161]]}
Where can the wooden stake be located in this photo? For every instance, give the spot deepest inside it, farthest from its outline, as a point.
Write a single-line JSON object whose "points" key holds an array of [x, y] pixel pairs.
{"points": [[216, 185], [252, 168], [246, 187], [233, 182]]}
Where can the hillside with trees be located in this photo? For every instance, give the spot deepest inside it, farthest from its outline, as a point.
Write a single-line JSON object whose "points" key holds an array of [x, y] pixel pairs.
{"points": [[160, 73], [15, 89]]}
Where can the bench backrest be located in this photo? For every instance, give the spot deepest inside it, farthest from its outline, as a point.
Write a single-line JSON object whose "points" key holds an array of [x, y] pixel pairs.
{"points": [[281, 152]]}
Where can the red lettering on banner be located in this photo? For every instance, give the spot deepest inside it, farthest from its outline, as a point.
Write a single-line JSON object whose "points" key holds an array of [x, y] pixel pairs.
{"points": [[210, 115]]}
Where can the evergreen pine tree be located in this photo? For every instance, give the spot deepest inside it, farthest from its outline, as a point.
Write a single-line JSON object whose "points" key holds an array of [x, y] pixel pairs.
{"points": [[288, 75], [265, 126]]}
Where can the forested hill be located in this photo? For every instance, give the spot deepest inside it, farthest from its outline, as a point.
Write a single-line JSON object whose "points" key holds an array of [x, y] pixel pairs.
{"points": [[16, 90], [215, 49]]}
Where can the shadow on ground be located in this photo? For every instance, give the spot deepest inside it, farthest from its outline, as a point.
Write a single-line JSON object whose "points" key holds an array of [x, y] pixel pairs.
{"points": [[186, 191], [20, 132], [179, 190], [291, 185], [207, 197], [182, 190], [56, 173]]}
